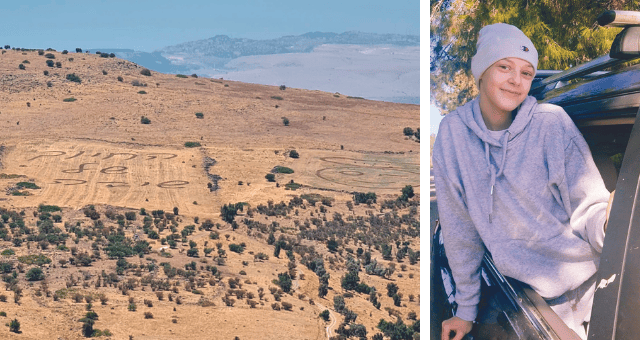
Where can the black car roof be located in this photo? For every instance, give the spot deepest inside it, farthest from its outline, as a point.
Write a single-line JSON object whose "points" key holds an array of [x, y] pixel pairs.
{"points": [[614, 94]]}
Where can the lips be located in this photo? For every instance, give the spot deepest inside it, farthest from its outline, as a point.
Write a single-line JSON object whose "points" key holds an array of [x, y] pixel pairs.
{"points": [[511, 92]]}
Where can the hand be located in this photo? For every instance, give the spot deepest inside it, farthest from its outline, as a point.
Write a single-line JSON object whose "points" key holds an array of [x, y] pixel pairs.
{"points": [[458, 326], [609, 209]]}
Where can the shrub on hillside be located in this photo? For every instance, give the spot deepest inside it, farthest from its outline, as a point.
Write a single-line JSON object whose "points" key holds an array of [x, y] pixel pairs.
{"points": [[14, 326], [283, 87], [145, 120], [130, 215], [28, 185], [294, 154], [69, 99], [142, 92], [277, 97], [58, 64], [325, 315], [73, 77], [78, 50], [270, 177], [146, 72], [49, 63], [191, 144], [120, 78], [361, 197], [35, 274], [46, 73], [283, 170], [104, 72], [199, 115], [40, 52], [21, 66], [136, 82], [181, 76], [50, 56], [285, 121], [236, 248], [65, 51]]}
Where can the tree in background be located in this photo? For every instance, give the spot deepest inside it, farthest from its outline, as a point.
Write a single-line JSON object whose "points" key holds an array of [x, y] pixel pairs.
{"points": [[565, 33]]}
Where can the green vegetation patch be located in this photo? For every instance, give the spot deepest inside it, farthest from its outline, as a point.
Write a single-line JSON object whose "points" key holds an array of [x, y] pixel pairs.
{"points": [[191, 144], [27, 185], [283, 170], [48, 208], [64, 292], [142, 92], [8, 252], [37, 259], [11, 176], [350, 97], [73, 77], [20, 193], [292, 186], [69, 99], [277, 97], [181, 76]]}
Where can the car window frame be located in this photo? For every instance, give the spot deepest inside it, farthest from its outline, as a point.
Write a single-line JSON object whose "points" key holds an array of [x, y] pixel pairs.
{"points": [[615, 312]]}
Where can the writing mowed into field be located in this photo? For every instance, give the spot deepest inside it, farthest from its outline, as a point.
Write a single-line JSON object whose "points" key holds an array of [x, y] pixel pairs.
{"points": [[75, 174]]}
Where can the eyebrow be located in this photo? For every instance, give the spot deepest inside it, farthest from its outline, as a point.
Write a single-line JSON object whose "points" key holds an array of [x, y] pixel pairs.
{"points": [[511, 62]]}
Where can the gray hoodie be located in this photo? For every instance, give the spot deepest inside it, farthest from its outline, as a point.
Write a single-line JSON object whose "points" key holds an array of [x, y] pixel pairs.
{"points": [[534, 199]]}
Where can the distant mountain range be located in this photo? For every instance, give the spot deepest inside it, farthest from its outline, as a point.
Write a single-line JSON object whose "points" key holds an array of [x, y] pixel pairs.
{"points": [[221, 46], [213, 57]]}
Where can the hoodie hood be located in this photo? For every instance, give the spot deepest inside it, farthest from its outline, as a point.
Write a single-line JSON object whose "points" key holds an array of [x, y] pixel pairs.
{"points": [[472, 117]]}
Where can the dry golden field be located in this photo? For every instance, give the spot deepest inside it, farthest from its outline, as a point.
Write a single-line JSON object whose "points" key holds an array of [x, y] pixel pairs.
{"points": [[94, 151]]}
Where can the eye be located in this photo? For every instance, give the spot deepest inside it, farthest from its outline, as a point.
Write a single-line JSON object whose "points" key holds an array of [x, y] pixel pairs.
{"points": [[528, 73]]}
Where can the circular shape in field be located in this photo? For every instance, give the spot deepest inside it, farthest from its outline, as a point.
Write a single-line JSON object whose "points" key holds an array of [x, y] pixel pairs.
{"points": [[351, 173], [371, 172], [368, 177]]}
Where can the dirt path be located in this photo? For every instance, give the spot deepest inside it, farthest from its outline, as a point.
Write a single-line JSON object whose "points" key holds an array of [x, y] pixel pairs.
{"points": [[332, 315]]}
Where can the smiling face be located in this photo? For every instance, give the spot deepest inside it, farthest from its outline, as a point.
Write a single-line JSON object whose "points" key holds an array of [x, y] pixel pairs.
{"points": [[503, 87]]}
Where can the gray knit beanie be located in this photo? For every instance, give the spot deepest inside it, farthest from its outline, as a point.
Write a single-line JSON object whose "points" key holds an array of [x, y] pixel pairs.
{"points": [[499, 41]]}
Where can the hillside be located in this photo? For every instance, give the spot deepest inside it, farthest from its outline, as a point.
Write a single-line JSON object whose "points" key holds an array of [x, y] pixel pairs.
{"points": [[114, 185]]}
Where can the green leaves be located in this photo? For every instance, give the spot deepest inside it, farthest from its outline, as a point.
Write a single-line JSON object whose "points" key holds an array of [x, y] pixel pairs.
{"points": [[563, 32]]}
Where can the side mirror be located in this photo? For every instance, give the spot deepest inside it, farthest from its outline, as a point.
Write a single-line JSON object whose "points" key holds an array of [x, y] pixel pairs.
{"points": [[626, 45]]}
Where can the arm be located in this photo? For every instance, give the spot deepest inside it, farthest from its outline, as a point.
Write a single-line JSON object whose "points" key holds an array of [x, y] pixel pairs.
{"points": [[613, 193], [463, 245], [583, 192]]}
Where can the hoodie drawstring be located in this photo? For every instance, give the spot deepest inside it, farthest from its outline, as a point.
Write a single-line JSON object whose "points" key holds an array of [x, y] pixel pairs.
{"points": [[487, 156]]}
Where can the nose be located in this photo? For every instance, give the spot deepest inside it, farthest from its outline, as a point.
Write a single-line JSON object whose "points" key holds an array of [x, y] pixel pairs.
{"points": [[516, 77]]}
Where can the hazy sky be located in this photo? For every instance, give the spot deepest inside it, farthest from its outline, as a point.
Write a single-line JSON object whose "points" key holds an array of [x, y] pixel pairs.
{"points": [[149, 25]]}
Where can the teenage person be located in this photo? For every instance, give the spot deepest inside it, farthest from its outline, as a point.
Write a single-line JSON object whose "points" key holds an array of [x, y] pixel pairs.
{"points": [[516, 178]]}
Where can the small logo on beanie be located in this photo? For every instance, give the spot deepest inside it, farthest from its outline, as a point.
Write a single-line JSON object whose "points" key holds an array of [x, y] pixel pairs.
{"points": [[525, 48]]}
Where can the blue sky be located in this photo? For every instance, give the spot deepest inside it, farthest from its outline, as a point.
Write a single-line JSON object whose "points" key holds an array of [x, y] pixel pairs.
{"points": [[150, 25]]}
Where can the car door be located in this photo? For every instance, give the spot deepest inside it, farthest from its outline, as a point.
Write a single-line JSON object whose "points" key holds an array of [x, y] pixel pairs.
{"points": [[616, 308]]}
